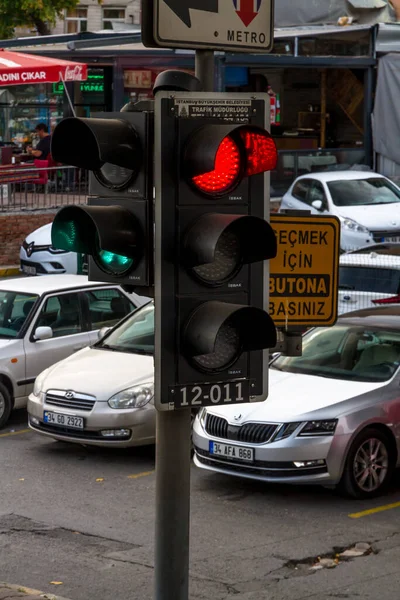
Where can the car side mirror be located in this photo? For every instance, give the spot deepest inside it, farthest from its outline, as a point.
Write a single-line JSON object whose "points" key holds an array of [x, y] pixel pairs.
{"points": [[317, 204], [42, 333], [102, 332]]}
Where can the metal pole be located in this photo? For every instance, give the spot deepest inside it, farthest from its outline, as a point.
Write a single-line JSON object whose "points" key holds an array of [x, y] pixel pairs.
{"points": [[173, 463], [205, 67]]}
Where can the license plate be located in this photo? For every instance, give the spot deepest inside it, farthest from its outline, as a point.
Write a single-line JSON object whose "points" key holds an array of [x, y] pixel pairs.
{"points": [[229, 451], [29, 270], [64, 420]]}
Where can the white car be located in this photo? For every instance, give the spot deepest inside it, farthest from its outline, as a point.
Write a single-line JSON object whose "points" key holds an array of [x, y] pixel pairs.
{"points": [[102, 395], [38, 256], [367, 204], [46, 319], [368, 279]]}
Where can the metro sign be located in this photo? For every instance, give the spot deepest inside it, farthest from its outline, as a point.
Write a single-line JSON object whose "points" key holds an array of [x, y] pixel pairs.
{"points": [[247, 10], [231, 25]]}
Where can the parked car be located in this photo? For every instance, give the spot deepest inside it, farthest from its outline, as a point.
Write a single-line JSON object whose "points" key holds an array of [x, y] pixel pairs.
{"points": [[367, 280], [45, 319], [39, 257], [367, 204], [76, 400], [332, 416]]}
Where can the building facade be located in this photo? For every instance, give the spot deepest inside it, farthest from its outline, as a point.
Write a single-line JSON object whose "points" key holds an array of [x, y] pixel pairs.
{"points": [[92, 15]]}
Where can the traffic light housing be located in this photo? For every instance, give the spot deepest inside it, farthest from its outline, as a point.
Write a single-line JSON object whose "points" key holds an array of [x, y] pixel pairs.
{"points": [[115, 229], [212, 155]]}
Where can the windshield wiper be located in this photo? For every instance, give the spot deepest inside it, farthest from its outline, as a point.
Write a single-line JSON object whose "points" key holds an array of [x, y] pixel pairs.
{"points": [[344, 286], [107, 347]]}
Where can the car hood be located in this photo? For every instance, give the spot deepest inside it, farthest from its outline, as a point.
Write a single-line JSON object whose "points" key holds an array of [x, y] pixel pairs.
{"points": [[380, 216], [292, 396], [41, 236], [101, 373]]}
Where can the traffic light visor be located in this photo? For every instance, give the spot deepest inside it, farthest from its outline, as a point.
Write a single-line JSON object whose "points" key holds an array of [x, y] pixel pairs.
{"points": [[91, 143]]}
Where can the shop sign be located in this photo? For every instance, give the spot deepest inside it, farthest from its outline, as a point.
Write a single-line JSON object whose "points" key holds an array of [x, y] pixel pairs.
{"points": [[138, 79], [303, 284]]}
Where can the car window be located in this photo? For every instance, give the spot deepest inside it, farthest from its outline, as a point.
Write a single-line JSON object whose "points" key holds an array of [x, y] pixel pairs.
{"points": [[14, 310], [61, 312], [316, 192], [107, 307], [346, 352], [369, 279], [135, 335], [300, 190], [355, 192]]}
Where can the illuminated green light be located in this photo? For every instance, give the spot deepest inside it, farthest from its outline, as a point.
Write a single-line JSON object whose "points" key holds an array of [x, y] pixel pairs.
{"points": [[114, 263]]}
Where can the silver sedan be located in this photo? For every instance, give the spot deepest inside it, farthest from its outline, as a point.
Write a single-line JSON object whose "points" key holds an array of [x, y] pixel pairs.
{"points": [[332, 416]]}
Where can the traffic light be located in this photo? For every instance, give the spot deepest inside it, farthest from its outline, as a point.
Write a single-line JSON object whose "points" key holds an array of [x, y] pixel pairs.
{"points": [[115, 229], [212, 155]]}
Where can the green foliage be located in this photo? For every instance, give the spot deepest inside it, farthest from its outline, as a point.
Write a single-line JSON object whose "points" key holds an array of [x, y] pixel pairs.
{"points": [[40, 14]]}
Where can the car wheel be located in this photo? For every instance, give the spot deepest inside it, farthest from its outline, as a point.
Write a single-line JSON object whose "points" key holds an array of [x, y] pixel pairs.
{"points": [[5, 405], [369, 465]]}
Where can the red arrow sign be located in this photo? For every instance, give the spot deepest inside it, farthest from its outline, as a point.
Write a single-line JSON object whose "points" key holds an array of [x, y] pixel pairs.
{"points": [[246, 12]]}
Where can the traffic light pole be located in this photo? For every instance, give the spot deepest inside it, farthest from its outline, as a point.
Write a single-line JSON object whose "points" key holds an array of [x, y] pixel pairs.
{"points": [[173, 463]]}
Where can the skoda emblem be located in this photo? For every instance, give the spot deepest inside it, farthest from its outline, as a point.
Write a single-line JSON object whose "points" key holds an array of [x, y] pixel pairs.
{"points": [[69, 395], [29, 249], [237, 417]]}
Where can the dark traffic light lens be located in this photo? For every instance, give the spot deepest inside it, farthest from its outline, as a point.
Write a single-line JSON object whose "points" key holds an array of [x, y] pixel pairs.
{"points": [[225, 174], [227, 350], [227, 261], [114, 177], [112, 263]]}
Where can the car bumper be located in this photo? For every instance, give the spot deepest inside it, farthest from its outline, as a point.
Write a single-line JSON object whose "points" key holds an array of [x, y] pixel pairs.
{"points": [[351, 240], [45, 263], [140, 422], [275, 462]]}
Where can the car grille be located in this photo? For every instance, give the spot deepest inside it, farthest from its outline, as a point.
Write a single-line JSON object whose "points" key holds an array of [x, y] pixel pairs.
{"points": [[260, 468], [77, 402], [39, 268], [78, 434], [250, 433], [387, 235]]}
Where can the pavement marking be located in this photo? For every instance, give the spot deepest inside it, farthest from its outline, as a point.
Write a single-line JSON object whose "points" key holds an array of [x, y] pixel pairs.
{"points": [[373, 511], [14, 432], [144, 474]]}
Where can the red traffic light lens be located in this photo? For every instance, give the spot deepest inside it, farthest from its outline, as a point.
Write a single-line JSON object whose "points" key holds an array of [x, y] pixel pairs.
{"points": [[226, 170], [260, 151]]}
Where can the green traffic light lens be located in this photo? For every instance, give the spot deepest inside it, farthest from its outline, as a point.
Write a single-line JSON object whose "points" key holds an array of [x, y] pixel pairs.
{"points": [[112, 263]]}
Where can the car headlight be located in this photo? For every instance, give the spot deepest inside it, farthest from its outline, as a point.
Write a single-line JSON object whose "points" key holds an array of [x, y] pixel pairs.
{"points": [[352, 225], [37, 387], [285, 431], [134, 397], [53, 250], [313, 428]]}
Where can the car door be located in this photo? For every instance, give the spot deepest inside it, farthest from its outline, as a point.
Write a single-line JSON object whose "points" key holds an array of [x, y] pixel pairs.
{"points": [[298, 198], [104, 308], [63, 312]]}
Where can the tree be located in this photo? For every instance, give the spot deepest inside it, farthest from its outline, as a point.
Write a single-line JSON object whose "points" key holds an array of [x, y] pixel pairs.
{"points": [[40, 14]]}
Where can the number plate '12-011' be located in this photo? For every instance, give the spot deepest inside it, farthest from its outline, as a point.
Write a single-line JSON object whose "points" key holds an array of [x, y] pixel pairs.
{"points": [[210, 394]]}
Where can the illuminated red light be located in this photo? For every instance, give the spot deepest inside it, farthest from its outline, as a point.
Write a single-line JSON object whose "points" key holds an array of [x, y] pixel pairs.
{"points": [[226, 169], [260, 150]]}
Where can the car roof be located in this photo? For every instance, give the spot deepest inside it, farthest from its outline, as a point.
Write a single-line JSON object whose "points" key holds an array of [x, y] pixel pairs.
{"points": [[47, 283], [385, 316], [341, 175], [370, 260]]}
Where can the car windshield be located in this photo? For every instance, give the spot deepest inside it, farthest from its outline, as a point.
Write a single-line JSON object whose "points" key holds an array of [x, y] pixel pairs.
{"points": [[135, 335], [369, 279], [361, 192], [351, 353], [14, 310]]}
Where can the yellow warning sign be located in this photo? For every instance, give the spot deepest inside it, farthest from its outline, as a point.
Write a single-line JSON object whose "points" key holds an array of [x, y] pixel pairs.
{"points": [[303, 284]]}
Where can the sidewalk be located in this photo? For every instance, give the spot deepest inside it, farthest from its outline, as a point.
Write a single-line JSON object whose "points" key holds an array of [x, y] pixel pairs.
{"points": [[9, 591]]}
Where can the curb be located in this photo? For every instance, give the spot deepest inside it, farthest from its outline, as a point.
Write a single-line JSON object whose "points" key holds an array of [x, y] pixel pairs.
{"points": [[26, 593], [10, 271]]}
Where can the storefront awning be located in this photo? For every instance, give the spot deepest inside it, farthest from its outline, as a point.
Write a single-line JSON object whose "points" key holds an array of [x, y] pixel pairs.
{"points": [[17, 68]]}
